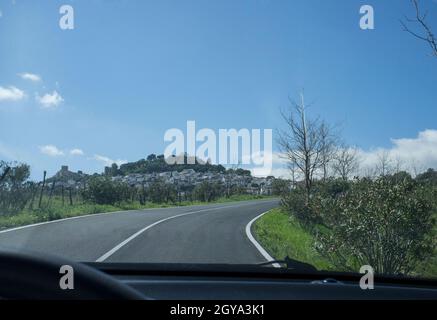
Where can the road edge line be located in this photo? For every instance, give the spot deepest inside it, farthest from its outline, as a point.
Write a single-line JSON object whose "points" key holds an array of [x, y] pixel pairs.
{"points": [[252, 239], [73, 218], [111, 212], [136, 234]]}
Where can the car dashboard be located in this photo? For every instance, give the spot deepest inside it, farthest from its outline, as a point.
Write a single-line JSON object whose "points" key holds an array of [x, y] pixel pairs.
{"points": [[212, 282]]}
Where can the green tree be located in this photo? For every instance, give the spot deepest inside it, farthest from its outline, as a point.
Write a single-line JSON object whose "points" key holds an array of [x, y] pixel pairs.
{"points": [[430, 177], [15, 190]]}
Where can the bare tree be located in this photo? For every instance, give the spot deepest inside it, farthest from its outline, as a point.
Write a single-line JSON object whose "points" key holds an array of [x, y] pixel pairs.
{"points": [[329, 142], [292, 168], [384, 165], [302, 143], [398, 164], [416, 167], [426, 33], [369, 172], [345, 162]]}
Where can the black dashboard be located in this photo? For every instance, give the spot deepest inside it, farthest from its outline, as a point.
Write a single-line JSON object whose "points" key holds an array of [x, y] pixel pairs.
{"points": [[205, 282]]}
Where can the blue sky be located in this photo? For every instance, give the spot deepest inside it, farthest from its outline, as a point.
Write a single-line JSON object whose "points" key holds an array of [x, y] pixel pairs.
{"points": [[130, 70]]}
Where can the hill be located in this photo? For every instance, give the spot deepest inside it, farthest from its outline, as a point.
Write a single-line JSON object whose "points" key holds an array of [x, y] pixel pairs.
{"points": [[157, 164]]}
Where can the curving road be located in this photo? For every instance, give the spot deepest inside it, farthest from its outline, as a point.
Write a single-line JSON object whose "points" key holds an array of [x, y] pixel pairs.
{"points": [[196, 234]]}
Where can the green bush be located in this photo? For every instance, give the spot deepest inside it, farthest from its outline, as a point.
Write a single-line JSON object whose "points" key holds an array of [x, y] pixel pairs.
{"points": [[162, 192], [331, 188], [280, 187], [386, 223], [310, 211], [237, 190], [295, 203], [101, 190], [207, 191], [428, 177]]}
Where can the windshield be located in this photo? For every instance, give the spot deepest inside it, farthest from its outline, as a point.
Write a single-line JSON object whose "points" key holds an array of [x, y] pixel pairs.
{"points": [[221, 132]]}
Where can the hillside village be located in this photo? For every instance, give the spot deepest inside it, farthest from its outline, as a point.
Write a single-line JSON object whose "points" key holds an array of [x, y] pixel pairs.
{"points": [[186, 179], [189, 178]]}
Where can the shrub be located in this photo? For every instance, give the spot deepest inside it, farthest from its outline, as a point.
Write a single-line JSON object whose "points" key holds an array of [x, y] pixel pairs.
{"points": [[331, 188], [207, 191], [237, 190], [386, 223], [280, 187], [101, 190], [15, 190], [430, 177], [295, 203], [160, 191]]}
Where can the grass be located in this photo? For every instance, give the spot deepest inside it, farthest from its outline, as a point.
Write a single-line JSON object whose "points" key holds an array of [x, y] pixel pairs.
{"points": [[281, 235], [56, 210]]}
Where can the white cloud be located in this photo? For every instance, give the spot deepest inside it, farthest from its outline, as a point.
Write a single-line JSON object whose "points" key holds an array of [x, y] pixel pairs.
{"points": [[278, 169], [412, 154], [30, 77], [1, 14], [11, 94], [50, 101], [51, 150], [107, 161], [76, 152]]}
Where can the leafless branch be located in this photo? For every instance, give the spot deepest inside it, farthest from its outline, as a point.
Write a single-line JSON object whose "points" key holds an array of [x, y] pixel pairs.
{"points": [[345, 162], [426, 34], [307, 143]]}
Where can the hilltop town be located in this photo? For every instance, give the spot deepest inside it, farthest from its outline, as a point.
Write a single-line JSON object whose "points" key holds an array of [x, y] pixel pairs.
{"points": [[145, 172]]}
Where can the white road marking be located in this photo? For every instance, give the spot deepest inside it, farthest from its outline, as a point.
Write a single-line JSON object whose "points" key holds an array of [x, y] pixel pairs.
{"points": [[122, 244], [89, 215], [256, 244], [119, 246], [79, 217]]}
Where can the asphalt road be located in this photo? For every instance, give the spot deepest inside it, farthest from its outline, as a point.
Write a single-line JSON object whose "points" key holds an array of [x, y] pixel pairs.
{"points": [[196, 234]]}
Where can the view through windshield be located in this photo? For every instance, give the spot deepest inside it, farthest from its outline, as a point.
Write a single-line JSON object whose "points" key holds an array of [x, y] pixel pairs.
{"points": [[221, 132]]}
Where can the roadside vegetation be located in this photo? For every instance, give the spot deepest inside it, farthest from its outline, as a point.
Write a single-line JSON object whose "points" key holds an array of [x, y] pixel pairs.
{"points": [[340, 216], [282, 235], [25, 202], [385, 223]]}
